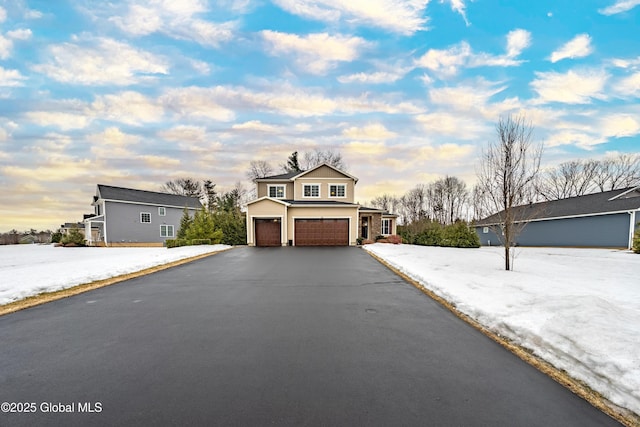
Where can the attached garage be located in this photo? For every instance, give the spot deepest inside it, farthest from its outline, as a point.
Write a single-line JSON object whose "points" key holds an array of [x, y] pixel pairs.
{"points": [[268, 232], [322, 232]]}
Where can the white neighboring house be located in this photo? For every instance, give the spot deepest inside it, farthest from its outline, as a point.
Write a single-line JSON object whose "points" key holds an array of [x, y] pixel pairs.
{"points": [[129, 217]]}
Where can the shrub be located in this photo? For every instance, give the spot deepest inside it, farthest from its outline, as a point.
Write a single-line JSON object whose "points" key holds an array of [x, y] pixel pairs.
{"points": [[379, 237], [201, 242], [367, 242], [359, 240], [636, 241], [395, 239], [431, 235], [56, 237], [176, 243], [233, 226], [73, 238], [203, 227], [460, 235]]}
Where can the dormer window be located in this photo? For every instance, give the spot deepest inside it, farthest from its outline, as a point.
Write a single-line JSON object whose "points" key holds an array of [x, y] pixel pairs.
{"points": [[277, 191], [337, 190], [311, 190]]}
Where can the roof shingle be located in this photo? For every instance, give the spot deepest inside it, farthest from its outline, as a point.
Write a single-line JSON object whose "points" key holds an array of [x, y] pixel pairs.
{"points": [[142, 196]]}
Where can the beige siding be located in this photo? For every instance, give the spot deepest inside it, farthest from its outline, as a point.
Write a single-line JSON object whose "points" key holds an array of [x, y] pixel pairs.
{"points": [[263, 186], [264, 209], [325, 172], [315, 212]]}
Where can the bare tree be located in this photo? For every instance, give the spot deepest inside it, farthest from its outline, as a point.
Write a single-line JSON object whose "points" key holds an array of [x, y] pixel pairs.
{"points": [[259, 169], [412, 204], [569, 179], [184, 187], [447, 198], [293, 164], [317, 157], [507, 175], [387, 202], [619, 172]]}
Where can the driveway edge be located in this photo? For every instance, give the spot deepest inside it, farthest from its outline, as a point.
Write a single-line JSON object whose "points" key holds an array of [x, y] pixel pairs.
{"points": [[46, 297], [577, 387]]}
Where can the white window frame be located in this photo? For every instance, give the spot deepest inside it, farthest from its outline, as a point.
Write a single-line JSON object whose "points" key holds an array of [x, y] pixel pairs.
{"points": [[485, 230], [145, 213], [312, 185], [344, 186], [284, 191], [167, 227], [162, 211], [389, 226]]}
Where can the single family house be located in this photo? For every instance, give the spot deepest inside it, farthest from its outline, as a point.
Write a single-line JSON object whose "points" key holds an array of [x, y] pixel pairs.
{"points": [[312, 208], [608, 219], [129, 217]]}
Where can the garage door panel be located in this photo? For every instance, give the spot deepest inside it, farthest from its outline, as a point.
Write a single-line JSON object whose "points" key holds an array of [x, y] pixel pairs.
{"points": [[268, 232], [322, 232]]}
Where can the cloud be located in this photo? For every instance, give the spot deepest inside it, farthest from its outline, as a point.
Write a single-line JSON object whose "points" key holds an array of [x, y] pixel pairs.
{"points": [[159, 162], [11, 78], [112, 143], [629, 86], [578, 47], [127, 107], [447, 62], [21, 34], [197, 101], [6, 45], [176, 19], [372, 131], [619, 6], [572, 87], [398, 16], [579, 139], [620, 125], [458, 6], [359, 148], [101, 61], [315, 53], [453, 125], [255, 126], [64, 121], [377, 77], [184, 133], [465, 96]]}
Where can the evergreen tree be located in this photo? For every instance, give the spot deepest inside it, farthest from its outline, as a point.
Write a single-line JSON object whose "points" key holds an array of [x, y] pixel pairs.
{"points": [[293, 165], [636, 241], [203, 227], [185, 221]]}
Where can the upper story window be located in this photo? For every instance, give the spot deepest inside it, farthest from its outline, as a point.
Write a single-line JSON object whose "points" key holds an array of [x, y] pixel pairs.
{"points": [[311, 190], [162, 211], [277, 191], [337, 190], [145, 217]]}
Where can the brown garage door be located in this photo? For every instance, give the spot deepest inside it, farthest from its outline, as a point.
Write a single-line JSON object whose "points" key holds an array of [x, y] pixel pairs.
{"points": [[267, 232], [322, 232]]}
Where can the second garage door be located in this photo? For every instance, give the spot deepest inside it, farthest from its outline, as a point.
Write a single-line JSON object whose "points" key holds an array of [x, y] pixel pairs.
{"points": [[322, 232]]}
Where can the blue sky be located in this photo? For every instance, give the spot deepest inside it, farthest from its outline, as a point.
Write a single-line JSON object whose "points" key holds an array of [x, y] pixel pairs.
{"points": [[135, 93]]}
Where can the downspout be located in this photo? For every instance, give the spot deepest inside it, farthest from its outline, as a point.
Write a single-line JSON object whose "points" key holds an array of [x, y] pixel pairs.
{"points": [[632, 228], [285, 222], [106, 240]]}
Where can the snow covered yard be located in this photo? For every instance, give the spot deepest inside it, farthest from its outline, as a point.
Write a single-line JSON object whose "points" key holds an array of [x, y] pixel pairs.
{"points": [[579, 309], [27, 270]]}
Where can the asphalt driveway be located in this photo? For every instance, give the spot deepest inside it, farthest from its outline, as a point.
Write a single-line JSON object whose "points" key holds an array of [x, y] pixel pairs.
{"points": [[269, 336]]}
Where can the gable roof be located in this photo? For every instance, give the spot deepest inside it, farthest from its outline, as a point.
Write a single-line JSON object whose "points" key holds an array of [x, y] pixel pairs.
{"points": [[290, 176], [109, 192], [606, 202]]}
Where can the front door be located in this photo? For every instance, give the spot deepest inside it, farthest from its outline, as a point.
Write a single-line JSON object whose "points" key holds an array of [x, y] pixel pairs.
{"points": [[365, 227]]}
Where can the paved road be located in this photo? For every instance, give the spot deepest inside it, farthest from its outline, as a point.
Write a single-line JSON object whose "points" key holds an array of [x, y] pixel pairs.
{"points": [[273, 336]]}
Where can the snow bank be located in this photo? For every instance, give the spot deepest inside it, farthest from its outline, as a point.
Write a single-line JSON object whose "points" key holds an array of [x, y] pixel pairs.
{"points": [[27, 270], [579, 309]]}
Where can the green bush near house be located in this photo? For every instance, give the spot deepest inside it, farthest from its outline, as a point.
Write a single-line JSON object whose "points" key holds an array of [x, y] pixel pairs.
{"points": [[460, 235], [73, 238], [196, 242]]}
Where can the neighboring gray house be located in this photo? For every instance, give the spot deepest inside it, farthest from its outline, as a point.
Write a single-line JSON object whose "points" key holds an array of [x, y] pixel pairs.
{"points": [[608, 219], [128, 217]]}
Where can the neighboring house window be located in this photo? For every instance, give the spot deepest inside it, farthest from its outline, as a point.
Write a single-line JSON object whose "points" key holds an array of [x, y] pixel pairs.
{"points": [[386, 226], [337, 190], [162, 211], [485, 230], [166, 231], [277, 191], [145, 217], [311, 190]]}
